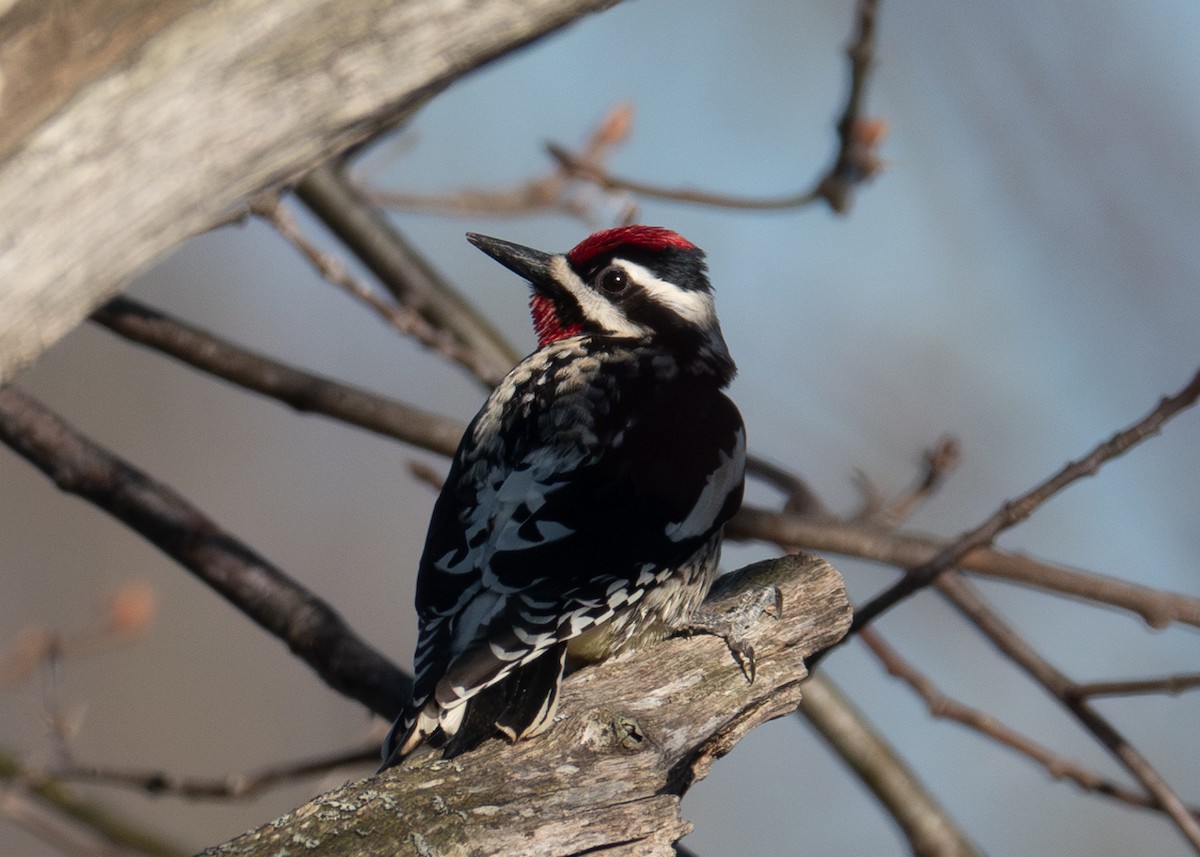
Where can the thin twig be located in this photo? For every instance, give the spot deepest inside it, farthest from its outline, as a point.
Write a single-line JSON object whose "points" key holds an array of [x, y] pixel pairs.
{"points": [[938, 463], [1171, 684], [413, 282], [1012, 645], [106, 823], [856, 161], [550, 192], [401, 318], [1015, 511], [235, 786], [942, 706], [311, 628], [799, 498], [301, 390]]}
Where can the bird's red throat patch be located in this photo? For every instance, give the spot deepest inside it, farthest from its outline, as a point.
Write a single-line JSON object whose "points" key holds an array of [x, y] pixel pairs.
{"points": [[546, 323]]}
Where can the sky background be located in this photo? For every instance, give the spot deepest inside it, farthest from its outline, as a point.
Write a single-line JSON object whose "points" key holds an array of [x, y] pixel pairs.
{"points": [[1024, 276]]}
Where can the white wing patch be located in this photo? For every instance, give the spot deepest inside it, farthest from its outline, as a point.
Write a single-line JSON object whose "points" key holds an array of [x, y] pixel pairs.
{"points": [[724, 479]]}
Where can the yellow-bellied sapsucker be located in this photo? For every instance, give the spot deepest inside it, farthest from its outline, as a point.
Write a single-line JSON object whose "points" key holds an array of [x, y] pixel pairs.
{"points": [[584, 509]]}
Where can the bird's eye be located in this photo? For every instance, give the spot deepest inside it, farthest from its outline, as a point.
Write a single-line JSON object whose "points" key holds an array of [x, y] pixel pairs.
{"points": [[612, 280]]}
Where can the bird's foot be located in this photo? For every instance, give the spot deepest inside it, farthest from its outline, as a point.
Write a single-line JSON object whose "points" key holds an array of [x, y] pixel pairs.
{"points": [[733, 625]]}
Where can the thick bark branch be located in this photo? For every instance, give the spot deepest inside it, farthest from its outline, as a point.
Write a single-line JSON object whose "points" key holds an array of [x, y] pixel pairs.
{"points": [[114, 151], [631, 738]]}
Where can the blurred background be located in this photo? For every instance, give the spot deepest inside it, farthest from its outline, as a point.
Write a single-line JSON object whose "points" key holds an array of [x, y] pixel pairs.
{"points": [[1024, 275]]}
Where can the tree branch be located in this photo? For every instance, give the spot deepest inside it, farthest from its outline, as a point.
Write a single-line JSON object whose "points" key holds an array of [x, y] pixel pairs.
{"points": [[1010, 643], [928, 828], [942, 706], [188, 110], [309, 626], [304, 391], [349, 214], [855, 162], [632, 736]]}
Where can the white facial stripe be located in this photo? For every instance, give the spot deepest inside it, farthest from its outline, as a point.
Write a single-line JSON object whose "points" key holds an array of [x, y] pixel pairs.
{"points": [[693, 306], [593, 305]]}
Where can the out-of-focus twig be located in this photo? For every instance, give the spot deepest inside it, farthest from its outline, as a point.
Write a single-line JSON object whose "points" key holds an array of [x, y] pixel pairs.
{"points": [[302, 390], [799, 498], [942, 706], [401, 318], [1170, 684], [118, 835], [414, 283], [963, 595], [927, 826], [235, 786], [857, 158], [938, 463], [554, 191], [310, 627]]}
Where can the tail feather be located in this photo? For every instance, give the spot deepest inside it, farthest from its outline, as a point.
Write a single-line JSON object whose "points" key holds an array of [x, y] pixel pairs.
{"points": [[519, 706]]}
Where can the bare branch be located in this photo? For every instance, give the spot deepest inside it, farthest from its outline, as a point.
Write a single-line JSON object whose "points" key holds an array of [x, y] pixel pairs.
{"points": [[310, 627], [927, 826], [403, 271], [942, 706], [544, 193], [301, 390], [235, 786], [401, 318], [48, 824], [855, 163], [607, 778], [799, 498], [939, 462], [115, 831], [968, 601], [1156, 607], [1171, 684]]}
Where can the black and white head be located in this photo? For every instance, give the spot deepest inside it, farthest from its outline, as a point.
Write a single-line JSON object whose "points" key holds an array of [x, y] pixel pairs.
{"points": [[644, 284]]}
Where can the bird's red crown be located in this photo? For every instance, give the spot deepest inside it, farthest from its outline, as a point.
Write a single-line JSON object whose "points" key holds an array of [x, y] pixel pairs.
{"points": [[641, 237]]}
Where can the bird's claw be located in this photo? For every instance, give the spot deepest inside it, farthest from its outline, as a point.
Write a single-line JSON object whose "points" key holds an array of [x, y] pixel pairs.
{"points": [[733, 625]]}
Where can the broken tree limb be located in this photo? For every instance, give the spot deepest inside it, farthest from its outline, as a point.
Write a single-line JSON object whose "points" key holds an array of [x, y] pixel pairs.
{"points": [[631, 737]]}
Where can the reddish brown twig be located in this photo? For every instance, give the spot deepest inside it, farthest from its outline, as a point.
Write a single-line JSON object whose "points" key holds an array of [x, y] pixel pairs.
{"points": [[942, 706], [1012, 645], [550, 192], [857, 158]]}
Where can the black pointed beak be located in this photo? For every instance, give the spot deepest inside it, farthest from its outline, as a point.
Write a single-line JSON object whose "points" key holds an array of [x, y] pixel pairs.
{"points": [[533, 265]]}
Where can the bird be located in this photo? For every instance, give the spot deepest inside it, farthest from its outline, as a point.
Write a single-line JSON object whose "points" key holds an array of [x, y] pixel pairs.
{"points": [[583, 512]]}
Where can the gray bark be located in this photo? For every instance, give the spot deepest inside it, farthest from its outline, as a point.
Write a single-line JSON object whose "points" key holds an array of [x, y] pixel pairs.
{"points": [[631, 737], [127, 126]]}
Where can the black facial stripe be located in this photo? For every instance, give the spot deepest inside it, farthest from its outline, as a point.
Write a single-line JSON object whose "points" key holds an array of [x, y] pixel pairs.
{"points": [[673, 264]]}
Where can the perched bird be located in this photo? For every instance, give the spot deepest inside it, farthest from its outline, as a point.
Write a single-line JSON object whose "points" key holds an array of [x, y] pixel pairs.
{"points": [[583, 511]]}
